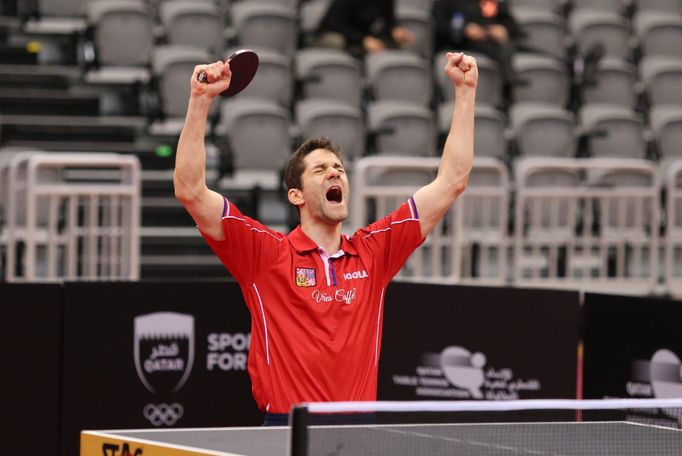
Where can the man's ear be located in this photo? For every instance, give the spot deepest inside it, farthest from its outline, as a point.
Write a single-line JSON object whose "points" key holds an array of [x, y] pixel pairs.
{"points": [[295, 196]]}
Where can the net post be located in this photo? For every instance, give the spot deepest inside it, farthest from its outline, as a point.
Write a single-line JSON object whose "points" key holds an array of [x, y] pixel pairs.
{"points": [[298, 440]]}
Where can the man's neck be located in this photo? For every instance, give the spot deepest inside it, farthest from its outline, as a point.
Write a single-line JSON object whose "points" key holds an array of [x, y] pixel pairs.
{"points": [[326, 236]]}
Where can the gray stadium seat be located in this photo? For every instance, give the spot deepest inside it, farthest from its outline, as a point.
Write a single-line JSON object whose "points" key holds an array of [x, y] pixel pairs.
{"points": [[399, 75], [329, 73], [419, 22], [412, 177], [540, 79], [193, 23], [58, 17], [616, 6], [489, 88], [172, 66], [544, 5], [64, 8], [544, 32], [402, 128], [670, 6], [613, 81], [343, 123], [662, 77], [489, 132], [619, 178], [273, 80], [419, 4], [589, 27], [311, 14], [123, 31], [265, 24], [659, 33], [613, 131], [287, 3], [562, 178], [666, 123], [257, 132], [543, 130], [123, 38]]}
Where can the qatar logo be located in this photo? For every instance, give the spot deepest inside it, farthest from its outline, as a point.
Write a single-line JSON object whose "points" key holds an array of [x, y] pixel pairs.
{"points": [[164, 350]]}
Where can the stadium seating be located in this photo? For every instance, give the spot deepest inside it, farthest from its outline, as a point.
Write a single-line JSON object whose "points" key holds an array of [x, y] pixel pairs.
{"points": [[592, 80], [325, 73], [402, 128], [193, 23], [274, 79], [399, 75], [337, 120]]}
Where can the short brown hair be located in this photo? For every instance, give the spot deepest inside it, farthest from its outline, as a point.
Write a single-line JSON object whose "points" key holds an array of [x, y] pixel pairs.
{"points": [[295, 168]]}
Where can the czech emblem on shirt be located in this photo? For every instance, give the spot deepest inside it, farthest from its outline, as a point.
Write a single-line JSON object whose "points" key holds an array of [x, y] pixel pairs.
{"points": [[305, 277]]}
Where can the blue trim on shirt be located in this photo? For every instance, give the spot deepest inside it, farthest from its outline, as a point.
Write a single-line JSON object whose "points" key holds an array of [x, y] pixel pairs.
{"points": [[224, 206], [414, 205], [331, 266]]}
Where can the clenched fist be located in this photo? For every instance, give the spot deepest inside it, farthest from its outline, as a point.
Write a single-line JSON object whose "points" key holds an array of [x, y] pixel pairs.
{"points": [[218, 77], [461, 69]]}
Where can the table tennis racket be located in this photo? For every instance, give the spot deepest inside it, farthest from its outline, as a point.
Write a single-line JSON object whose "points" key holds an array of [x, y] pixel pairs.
{"points": [[243, 64]]}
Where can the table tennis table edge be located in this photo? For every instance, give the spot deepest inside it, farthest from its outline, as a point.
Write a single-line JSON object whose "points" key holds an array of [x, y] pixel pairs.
{"points": [[92, 443]]}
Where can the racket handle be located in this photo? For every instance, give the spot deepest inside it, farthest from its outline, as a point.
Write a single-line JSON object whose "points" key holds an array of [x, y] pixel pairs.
{"points": [[203, 77]]}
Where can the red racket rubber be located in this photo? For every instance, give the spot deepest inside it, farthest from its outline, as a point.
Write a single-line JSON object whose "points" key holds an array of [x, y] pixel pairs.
{"points": [[243, 64]]}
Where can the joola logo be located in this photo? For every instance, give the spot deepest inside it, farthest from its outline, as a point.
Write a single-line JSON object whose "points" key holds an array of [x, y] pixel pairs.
{"points": [[356, 275]]}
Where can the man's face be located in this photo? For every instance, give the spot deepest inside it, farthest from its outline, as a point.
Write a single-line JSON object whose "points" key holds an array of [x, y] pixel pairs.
{"points": [[325, 187]]}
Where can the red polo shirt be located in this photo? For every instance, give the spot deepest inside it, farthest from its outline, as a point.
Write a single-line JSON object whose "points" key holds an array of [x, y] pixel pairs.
{"points": [[316, 318]]}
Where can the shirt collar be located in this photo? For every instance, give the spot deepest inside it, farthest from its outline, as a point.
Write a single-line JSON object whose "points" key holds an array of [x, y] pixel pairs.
{"points": [[347, 246], [302, 243]]}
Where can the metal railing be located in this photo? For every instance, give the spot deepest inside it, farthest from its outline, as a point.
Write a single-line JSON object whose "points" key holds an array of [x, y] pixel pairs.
{"points": [[587, 224], [673, 238], [69, 216], [590, 224], [469, 245]]}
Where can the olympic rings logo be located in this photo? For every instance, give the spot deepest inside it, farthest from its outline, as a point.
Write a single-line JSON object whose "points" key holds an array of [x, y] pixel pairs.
{"points": [[163, 414]]}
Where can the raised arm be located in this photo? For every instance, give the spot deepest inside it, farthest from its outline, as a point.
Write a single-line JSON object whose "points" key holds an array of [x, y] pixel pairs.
{"points": [[189, 179], [434, 199]]}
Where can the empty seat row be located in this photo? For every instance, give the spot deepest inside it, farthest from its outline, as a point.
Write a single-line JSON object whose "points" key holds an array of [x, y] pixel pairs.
{"points": [[408, 129]]}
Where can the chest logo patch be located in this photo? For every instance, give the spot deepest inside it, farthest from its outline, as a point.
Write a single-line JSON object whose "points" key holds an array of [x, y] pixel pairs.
{"points": [[305, 277]]}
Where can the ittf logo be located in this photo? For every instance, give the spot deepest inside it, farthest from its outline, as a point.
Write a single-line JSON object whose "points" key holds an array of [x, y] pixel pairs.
{"points": [[305, 277]]}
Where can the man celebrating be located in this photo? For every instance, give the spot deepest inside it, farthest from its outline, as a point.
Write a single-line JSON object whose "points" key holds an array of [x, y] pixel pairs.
{"points": [[316, 297]]}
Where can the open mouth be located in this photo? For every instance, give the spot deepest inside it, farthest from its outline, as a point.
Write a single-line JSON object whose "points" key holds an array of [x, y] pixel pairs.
{"points": [[334, 194]]}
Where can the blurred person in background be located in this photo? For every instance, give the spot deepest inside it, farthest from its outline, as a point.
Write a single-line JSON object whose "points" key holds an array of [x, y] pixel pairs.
{"points": [[477, 26], [362, 27]]}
